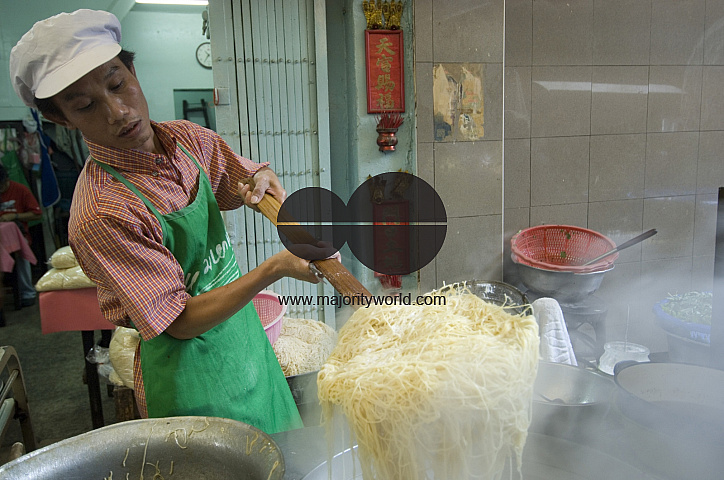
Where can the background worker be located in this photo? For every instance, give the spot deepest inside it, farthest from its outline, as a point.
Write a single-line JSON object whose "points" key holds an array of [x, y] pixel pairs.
{"points": [[18, 204]]}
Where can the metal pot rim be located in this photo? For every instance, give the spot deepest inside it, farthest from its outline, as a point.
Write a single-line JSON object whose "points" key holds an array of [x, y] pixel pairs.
{"points": [[597, 272], [599, 378]]}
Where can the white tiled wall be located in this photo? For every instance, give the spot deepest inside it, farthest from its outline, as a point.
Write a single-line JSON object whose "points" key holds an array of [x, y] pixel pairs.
{"points": [[614, 121], [626, 130], [468, 175]]}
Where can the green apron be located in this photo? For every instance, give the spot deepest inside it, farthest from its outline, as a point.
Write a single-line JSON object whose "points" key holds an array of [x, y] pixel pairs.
{"points": [[230, 371]]}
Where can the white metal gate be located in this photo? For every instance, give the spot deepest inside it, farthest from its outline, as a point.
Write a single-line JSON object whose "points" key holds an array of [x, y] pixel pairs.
{"points": [[271, 81]]}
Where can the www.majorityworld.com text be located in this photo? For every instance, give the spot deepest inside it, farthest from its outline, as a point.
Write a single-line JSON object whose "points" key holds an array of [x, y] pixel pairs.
{"points": [[340, 301]]}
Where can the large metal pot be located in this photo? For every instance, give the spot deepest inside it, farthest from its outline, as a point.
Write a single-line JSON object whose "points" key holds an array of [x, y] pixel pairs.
{"points": [[181, 447], [567, 399], [563, 286], [669, 397], [304, 391], [544, 458], [682, 407]]}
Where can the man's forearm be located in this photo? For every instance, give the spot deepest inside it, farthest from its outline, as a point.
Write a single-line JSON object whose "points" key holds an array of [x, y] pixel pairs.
{"points": [[209, 309]]}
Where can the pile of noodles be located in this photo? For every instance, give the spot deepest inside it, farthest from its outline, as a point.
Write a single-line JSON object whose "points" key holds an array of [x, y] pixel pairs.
{"points": [[303, 345], [438, 392]]}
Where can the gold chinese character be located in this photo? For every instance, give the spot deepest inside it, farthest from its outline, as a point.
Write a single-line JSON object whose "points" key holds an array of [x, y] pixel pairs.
{"points": [[385, 63], [385, 101], [385, 45], [384, 82]]}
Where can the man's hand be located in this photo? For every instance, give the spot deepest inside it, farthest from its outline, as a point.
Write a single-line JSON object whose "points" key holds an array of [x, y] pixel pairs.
{"points": [[264, 181], [320, 251]]}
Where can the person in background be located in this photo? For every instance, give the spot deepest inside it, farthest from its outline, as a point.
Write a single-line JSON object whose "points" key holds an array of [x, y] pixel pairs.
{"points": [[18, 204], [146, 227]]}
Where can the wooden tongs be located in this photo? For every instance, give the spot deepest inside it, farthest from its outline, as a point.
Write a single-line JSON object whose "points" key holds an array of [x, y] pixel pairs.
{"points": [[338, 276]]}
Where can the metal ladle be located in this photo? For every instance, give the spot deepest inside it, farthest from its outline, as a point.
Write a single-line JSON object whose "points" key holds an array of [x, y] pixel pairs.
{"points": [[633, 241]]}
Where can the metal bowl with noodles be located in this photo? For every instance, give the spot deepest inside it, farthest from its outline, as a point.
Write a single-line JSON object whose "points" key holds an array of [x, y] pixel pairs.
{"points": [[498, 293], [173, 447]]}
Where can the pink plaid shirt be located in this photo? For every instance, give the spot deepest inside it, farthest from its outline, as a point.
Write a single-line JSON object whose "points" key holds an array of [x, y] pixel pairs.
{"points": [[119, 243]]}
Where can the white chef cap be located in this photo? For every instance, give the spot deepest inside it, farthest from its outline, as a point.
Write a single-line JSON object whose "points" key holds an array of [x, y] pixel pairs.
{"points": [[61, 49]]}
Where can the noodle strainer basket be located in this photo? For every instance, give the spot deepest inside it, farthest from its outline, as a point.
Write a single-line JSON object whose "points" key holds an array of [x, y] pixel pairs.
{"points": [[271, 313]]}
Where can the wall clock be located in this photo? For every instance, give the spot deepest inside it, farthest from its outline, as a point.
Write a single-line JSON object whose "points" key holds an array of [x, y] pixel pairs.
{"points": [[203, 54]]}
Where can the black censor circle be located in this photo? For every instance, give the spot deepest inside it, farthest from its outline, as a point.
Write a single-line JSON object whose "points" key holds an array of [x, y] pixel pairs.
{"points": [[394, 223]]}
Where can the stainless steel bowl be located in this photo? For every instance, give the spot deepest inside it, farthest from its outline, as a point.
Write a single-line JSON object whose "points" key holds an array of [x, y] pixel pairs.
{"points": [[566, 398], [499, 293], [181, 447], [563, 286]]}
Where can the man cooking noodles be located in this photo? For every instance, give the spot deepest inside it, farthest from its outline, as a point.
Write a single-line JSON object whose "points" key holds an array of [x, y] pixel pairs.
{"points": [[146, 227]]}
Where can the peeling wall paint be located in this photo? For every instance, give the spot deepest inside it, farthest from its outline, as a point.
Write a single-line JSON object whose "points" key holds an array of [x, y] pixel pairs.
{"points": [[458, 102]]}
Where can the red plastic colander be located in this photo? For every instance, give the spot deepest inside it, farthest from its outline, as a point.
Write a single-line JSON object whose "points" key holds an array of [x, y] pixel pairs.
{"points": [[562, 248], [271, 312]]}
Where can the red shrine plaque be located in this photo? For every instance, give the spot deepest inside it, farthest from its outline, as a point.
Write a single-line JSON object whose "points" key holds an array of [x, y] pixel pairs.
{"points": [[385, 72]]}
